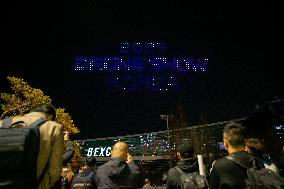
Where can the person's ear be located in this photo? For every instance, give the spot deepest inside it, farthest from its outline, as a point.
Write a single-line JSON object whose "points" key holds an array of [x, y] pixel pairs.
{"points": [[226, 144], [178, 155], [246, 141], [49, 117], [246, 149]]}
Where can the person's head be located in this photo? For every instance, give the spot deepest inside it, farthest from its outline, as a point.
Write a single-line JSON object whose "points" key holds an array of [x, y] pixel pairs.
{"points": [[65, 164], [254, 146], [147, 181], [120, 149], [164, 178], [47, 109], [91, 161], [234, 137], [185, 150]]}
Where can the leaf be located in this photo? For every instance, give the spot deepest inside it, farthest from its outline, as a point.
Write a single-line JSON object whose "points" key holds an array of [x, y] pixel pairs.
{"points": [[23, 97]]}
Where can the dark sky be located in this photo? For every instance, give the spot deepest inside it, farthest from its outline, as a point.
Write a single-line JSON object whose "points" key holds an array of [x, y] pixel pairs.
{"points": [[240, 40]]}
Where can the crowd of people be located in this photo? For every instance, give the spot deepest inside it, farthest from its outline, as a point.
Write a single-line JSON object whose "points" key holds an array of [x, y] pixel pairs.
{"points": [[55, 152]]}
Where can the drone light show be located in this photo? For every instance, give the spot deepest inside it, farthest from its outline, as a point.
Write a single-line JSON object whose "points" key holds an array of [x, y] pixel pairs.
{"points": [[142, 66]]}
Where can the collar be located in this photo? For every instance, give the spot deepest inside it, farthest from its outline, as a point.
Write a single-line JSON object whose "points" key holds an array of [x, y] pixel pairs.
{"points": [[35, 114]]}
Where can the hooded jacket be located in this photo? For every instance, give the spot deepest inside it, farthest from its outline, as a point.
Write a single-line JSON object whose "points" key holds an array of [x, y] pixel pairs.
{"points": [[188, 165], [116, 173]]}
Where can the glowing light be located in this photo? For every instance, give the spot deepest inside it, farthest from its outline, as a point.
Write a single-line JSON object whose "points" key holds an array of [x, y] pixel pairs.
{"points": [[139, 63], [141, 60]]}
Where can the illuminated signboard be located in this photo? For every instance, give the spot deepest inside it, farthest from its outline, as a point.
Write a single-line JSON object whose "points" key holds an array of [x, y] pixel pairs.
{"points": [[140, 145], [99, 151], [96, 148]]}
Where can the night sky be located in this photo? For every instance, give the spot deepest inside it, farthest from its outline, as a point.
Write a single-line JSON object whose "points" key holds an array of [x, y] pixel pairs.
{"points": [[240, 40]]}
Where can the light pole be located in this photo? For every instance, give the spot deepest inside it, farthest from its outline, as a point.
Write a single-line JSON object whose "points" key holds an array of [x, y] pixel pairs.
{"points": [[167, 117]]}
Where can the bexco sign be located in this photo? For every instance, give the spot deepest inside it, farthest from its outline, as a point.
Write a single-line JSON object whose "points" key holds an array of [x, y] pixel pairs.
{"points": [[99, 151]]}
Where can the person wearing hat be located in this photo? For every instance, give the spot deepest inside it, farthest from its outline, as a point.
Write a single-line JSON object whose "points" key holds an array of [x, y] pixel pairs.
{"points": [[186, 163]]}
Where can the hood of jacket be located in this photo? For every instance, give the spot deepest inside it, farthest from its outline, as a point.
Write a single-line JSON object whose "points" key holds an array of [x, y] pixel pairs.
{"points": [[188, 165]]}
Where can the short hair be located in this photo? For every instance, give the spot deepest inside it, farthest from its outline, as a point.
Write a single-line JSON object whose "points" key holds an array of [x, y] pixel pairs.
{"points": [[65, 163], [235, 134], [186, 150], [255, 146], [91, 161], [46, 108], [147, 181]]}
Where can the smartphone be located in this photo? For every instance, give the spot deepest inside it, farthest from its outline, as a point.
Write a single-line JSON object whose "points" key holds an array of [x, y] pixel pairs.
{"points": [[221, 146]]}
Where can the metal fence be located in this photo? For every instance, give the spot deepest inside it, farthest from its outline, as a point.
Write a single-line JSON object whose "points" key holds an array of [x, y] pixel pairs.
{"points": [[162, 144]]}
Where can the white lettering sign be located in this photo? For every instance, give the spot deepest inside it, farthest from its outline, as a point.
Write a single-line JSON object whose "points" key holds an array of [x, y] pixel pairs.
{"points": [[90, 150], [108, 151], [99, 151], [96, 151]]}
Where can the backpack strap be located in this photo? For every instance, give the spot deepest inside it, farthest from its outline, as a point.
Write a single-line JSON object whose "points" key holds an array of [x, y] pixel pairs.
{"points": [[253, 162], [17, 124], [38, 123], [6, 122], [234, 159]]}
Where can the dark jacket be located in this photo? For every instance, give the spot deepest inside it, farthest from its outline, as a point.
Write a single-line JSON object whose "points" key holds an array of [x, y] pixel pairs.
{"points": [[116, 173], [173, 177], [226, 174], [67, 156], [69, 153], [87, 176]]}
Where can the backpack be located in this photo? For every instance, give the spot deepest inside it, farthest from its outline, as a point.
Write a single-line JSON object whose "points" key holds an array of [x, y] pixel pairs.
{"points": [[192, 180], [19, 148], [259, 177], [84, 182]]}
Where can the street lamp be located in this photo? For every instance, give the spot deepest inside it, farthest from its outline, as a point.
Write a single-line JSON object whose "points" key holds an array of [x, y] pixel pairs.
{"points": [[167, 117]]}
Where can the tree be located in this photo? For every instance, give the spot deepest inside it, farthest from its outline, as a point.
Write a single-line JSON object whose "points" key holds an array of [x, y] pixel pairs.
{"points": [[24, 97]]}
